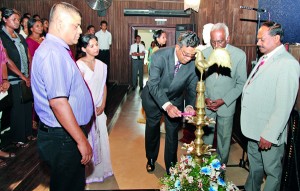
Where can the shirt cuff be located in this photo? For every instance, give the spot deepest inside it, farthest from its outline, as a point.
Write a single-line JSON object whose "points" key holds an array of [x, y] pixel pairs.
{"points": [[166, 105]]}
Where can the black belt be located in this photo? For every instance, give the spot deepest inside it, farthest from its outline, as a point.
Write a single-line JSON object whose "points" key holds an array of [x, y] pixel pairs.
{"points": [[47, 129]]}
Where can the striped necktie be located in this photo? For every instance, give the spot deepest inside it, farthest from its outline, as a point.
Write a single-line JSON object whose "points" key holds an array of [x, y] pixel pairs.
{"points": [[177, 66]]}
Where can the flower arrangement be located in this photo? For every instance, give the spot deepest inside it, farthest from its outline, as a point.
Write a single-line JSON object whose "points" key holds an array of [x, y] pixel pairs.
{"points": [[189, 175]]}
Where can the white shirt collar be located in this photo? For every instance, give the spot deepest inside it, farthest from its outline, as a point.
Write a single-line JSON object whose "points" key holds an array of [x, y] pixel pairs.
{"points": [[267, 56]]}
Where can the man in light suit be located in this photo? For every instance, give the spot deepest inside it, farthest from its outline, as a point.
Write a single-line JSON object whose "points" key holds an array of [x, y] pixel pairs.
{"points": [[172, 72], [267, 101], [223, 87]]}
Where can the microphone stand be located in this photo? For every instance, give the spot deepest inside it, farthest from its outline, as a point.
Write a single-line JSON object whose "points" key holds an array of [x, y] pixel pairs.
{"points": [[257, 28], [258, 21]]}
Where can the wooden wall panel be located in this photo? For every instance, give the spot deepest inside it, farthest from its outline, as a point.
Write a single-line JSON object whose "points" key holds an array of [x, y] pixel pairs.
{"points": [[295, 51], [250, 50], [229, 12], [214, 11]]}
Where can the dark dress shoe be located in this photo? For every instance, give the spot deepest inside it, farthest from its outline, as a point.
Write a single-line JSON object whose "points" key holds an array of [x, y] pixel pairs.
{"points": [[150, 165]]}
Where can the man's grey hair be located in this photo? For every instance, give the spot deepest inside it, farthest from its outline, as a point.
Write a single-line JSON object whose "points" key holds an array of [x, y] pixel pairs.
{"points": [[221, 26], [188, 39]]}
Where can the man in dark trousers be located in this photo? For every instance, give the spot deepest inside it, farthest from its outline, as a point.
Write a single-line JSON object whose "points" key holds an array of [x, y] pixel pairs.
{"points": [[63, 101], [137, 53], [172, 72]]}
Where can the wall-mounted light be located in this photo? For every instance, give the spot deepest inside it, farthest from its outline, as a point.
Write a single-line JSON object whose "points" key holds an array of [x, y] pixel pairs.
{"points": [[160, 20], [193, 4]]}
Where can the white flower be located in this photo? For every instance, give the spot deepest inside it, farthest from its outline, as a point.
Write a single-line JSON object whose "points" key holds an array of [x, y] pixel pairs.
{"points": [[190, 179]]}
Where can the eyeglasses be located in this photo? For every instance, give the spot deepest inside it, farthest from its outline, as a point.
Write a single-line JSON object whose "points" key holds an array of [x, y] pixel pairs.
{"points": [[215, 42], [187, 54]]}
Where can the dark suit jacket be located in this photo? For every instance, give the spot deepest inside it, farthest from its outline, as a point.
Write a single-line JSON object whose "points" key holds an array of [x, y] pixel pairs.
{"points": [[162, 86]]}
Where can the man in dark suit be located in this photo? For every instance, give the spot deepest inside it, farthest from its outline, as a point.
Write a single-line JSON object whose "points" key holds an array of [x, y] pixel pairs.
{"points": [[172, 72]]}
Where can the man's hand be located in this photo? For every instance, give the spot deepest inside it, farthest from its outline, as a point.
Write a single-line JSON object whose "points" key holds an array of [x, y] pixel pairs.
{"points": [[213, 104], [64, 114], [85, 150], [173, 111], [264, 144]]}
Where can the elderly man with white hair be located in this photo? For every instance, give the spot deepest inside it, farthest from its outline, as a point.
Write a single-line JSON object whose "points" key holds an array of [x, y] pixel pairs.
{"points": [[223, 87]]}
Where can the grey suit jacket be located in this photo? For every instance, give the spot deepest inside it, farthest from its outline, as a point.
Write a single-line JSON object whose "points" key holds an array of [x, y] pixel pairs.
{"points": [[268, 99], [162, 86], [224, 87]]}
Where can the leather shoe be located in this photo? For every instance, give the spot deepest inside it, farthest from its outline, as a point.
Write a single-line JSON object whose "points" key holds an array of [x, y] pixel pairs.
{"points": [[150, 165]]}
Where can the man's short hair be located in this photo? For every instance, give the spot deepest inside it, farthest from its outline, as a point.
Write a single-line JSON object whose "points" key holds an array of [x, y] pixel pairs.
{"points": [[188, 39], [220, 26], [90, 26], [274, 29], [103, 22], [66, 6]]}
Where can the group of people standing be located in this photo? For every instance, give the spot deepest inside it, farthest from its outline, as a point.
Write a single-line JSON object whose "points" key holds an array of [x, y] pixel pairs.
{"points": [[75, 144], [19, 52], [138, 52], [268, 96], [64, 125]]}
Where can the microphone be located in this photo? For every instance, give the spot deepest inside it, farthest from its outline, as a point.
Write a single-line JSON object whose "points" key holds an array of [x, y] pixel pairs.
{"points": [[255, 9]]}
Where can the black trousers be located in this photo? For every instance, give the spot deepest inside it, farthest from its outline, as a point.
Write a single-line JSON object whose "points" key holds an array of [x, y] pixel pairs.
{"points": [[104, 56], [59, 150], [20, 116], [152, 136]]}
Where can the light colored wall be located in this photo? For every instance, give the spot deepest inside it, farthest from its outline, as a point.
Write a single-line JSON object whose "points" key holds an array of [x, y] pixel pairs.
{"points": [[146, 36]]}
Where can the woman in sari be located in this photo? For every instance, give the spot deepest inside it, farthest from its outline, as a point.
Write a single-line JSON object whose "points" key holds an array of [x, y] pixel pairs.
{"points": [[94, 72], [34, 39]]}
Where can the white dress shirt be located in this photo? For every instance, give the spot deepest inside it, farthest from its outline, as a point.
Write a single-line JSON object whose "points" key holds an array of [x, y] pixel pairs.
{"points": [[104, 39], [133, 48]]}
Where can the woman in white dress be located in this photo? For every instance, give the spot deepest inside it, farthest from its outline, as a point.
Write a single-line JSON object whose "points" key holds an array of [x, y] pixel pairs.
{"points": [[94, 72]]}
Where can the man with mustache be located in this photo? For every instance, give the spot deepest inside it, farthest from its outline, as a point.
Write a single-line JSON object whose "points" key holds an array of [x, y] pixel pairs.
{"points": [[267, 100], [63, 101]]}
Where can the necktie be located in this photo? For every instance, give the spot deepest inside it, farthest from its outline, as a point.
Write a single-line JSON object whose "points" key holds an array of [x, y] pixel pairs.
{"points": [[177, 66], [71, 54], [259, 65], [138, 50]]}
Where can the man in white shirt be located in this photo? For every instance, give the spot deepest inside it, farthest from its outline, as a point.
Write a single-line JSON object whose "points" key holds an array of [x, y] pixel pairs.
{"points": [[137, 52], [104, 40]]}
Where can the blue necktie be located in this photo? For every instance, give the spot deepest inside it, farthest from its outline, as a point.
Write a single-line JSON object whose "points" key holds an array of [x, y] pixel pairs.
{"points": [[177, 66]]}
